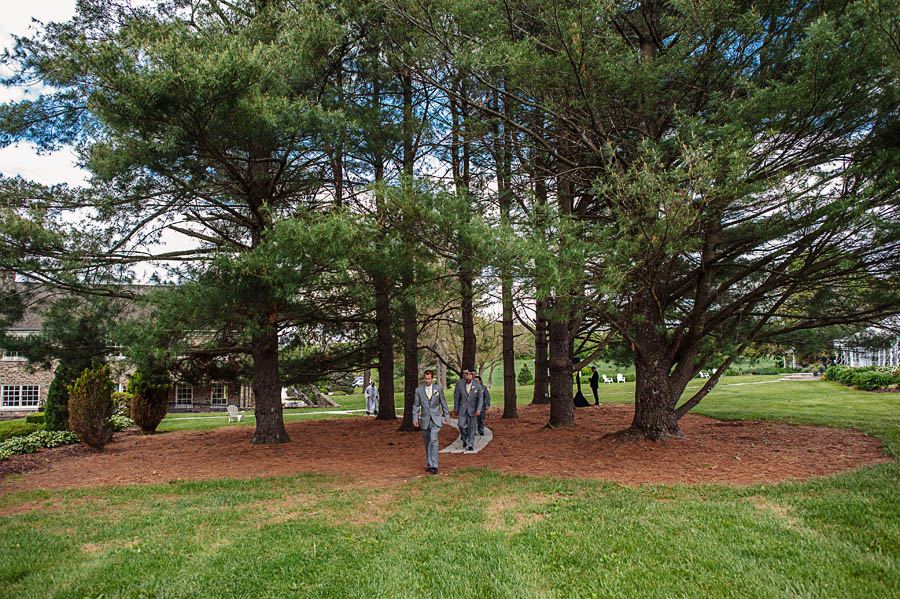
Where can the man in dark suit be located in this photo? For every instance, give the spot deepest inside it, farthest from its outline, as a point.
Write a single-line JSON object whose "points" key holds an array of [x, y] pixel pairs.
{"points": [[595, 384]]}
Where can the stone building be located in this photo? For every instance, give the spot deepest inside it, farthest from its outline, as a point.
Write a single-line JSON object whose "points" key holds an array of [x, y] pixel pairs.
{"points": [[23, 387]]}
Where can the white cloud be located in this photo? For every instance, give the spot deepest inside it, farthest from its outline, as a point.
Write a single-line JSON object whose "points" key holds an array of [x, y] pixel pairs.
{"points": [[22, 160]]}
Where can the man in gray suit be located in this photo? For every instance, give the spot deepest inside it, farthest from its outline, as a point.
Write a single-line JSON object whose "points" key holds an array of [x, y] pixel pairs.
{"points": [[485, 404], [467, 405], [430, 402]]}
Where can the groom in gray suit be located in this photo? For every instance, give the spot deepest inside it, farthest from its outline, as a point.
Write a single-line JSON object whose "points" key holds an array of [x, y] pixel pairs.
{"points": [[430, 402], [467, 403]]}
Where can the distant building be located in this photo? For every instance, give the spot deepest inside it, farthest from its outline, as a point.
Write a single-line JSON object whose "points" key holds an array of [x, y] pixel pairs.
{"points": [[877, 346], [23, 388]]}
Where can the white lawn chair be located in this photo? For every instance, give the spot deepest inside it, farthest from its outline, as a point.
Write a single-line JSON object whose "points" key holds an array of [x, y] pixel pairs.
{"points": [[704, 375], [620, 378], [234, 414], [607, 379]]}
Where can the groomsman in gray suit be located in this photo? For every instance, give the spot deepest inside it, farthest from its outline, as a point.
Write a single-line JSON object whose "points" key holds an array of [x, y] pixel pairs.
{"points": [[485, 404], [467, 404], [430, 402]]}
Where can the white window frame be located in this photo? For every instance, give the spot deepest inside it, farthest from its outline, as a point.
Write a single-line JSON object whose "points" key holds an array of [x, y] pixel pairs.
{"points": [[16, 356], [218, 401], [8, 392], [13, 357], [180, 402]]}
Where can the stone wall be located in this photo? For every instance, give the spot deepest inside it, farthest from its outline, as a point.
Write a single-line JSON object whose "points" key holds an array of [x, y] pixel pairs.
{"points": [[15, 373], [201, 397]]}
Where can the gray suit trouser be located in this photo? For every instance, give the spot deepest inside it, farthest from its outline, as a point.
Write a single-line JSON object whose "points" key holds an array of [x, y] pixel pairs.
{"points": [[481, 423], [430, 436], [468, 424]]}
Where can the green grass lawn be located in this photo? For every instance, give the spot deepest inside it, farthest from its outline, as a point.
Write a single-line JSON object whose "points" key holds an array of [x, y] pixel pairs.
{"points": [[479, 534]]}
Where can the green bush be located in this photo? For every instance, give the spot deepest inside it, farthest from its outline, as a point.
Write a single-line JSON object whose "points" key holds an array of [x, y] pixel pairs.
{"points": [[119, 422], [91, 406], [767, 371], [19, 428], [150, 399], [36, 418], [57, 408], [37, 440], [525, 377], [866, 378]]}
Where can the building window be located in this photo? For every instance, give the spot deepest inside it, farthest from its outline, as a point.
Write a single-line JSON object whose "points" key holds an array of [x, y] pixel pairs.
{"points": [[12, 356], [20, 396], [184, 396], [218, 396]]}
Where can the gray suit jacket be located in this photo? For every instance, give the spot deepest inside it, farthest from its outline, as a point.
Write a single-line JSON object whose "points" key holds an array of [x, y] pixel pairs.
{"points": [[466, 404], [433, 411], [486, 397]]}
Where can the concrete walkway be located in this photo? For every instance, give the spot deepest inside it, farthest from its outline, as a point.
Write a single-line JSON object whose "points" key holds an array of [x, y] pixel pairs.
{"points": [[480, 440]]}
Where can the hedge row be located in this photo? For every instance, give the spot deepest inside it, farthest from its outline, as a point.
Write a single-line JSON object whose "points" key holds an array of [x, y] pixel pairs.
{"points": [[9, 430], [867, 378]]}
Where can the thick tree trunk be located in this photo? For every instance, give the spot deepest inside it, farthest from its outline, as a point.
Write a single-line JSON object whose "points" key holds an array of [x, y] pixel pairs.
{"points": [[562, 406], [541, 363], [654, 396], [267, 390], [386, 409], [410, 362], [510, 409], [654, 414], [367, 376]]}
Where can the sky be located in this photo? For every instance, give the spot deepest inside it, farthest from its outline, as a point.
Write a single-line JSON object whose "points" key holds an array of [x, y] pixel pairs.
{"points": [[16, 18], [22, 160]]}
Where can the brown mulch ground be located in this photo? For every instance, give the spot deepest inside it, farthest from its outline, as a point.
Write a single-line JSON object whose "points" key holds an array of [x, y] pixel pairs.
{"points": [[374, 453]]}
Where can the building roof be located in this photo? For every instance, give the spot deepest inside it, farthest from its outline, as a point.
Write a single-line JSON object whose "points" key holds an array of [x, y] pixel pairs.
{"points": [[35, 298]]}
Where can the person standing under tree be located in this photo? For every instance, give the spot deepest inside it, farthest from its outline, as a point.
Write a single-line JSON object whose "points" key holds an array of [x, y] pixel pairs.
{"points": [[430, 403], [595, 384], [371, 399]]}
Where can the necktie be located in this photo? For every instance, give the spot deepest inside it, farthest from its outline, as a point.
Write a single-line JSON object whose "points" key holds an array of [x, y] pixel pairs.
{"points": [[428, 392], [469, 388]]}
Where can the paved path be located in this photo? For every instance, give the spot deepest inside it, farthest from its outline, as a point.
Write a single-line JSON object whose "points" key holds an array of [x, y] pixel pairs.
{"points": [[480, 440]]}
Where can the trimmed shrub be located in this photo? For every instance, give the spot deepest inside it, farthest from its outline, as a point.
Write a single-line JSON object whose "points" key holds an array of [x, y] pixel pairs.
{"points": [[91, 406], [525, 377], [10, 430], [36, 418], [57, 409], [867, 378], [150, 399], [37, 440]]}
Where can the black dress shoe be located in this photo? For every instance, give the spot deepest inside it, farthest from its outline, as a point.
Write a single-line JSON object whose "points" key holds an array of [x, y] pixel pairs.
{"points": [[434, 471]]}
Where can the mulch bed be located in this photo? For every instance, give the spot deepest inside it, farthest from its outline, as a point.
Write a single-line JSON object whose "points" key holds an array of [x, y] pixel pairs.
{"points": [[374, 453]]}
